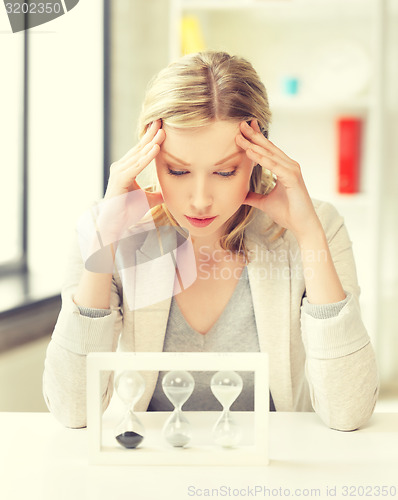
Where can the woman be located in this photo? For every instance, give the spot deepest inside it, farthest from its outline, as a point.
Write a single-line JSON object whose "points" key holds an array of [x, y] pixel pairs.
{"points": [[274, 269]]}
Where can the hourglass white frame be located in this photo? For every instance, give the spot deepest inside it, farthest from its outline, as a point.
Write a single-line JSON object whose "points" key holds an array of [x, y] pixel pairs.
{"points": [[257, 454]]}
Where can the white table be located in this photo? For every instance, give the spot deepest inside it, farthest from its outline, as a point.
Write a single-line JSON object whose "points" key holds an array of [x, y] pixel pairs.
{"points": [[40, 459]]}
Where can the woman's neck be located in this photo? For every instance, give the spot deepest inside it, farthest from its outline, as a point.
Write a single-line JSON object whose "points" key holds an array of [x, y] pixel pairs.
{"points": [[210, 253], [206, 246]]}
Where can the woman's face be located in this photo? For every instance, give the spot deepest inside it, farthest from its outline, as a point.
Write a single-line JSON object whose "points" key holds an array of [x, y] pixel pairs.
{"points": [[204, 176]]}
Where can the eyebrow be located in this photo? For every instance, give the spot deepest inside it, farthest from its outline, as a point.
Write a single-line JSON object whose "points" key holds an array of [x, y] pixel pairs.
{"points": [[188, 164]]}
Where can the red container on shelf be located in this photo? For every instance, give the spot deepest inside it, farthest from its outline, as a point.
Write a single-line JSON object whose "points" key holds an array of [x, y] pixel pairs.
{"points": [[348, 154]]}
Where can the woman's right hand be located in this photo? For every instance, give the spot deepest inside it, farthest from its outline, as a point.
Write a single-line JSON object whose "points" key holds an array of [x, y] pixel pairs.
{"points": [[123, 173], [125, 202]]}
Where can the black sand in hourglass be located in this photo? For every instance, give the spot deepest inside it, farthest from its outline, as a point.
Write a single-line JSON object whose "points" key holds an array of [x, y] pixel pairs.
{"points": [[130, 387], [129, 439]]}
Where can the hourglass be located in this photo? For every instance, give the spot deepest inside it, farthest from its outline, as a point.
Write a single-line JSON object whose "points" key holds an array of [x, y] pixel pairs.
{"points": [[130, 387], [178, 386], [226, 387]]}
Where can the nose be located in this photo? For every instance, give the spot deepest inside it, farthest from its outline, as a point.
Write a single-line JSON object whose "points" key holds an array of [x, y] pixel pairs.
{"points": [[201, 197]]}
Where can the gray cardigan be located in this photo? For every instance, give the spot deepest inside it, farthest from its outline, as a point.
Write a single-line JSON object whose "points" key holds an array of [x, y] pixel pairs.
{"points": [[327, 365]]}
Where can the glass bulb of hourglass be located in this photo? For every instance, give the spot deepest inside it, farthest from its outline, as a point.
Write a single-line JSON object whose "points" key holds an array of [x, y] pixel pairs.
{"points": [[178, 387], [129, 386], [226, 387]]}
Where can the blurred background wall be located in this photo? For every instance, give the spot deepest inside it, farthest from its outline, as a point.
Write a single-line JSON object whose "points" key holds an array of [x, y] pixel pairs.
{"points": [[70, 98]]}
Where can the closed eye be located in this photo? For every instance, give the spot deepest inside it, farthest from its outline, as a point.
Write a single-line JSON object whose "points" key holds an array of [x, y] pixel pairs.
{"points": [[184, 172], [177, 172], [227, 174]]}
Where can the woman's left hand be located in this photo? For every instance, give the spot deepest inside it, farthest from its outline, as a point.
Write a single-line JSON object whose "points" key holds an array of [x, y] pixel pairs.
{"points": [[288, 204]]}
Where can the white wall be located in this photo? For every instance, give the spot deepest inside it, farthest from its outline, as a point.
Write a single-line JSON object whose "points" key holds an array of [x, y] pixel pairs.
{"points": [[139, 50], [388, 348]]}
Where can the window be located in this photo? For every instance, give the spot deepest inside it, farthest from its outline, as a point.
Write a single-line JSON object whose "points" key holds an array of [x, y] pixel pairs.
{"points": [[12, 133], [54, 145]]}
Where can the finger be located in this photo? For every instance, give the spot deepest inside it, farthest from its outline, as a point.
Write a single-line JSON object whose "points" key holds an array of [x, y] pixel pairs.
{"points": [[157, 140], [150, 133], [260, 150], [246, 144], [253, 134], [129, 153], [254, 199], [278, 166], [138, 155], [131, 173], [282, 172], [147, 157], [255, 126], [289, 176], [257, 137]]}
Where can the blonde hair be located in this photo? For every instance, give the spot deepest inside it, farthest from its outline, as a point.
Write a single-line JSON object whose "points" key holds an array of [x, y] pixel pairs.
{"points": [[198, 89]]}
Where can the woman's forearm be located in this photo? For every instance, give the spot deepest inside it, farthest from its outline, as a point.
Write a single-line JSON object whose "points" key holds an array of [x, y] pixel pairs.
{"points": [[322, 283], [94, 290]]}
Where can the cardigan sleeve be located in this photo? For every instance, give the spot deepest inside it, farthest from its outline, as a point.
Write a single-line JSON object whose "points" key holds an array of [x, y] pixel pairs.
{"points": [[340, 361], [74, 336], [323, 311]]}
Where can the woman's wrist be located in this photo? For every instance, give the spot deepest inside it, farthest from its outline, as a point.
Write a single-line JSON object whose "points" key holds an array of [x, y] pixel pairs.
{"points": [[312, 236], [323, 285]]}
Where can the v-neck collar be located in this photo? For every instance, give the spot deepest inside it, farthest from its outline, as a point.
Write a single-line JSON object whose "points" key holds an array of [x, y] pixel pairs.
{"points": [[237, 288]]}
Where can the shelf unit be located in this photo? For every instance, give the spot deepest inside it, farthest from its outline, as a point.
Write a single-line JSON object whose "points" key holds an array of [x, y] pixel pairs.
{"points": [[287, 38]]}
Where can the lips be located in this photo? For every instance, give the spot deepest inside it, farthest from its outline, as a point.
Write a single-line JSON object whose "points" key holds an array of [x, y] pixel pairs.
{"points": [[200, 221]]}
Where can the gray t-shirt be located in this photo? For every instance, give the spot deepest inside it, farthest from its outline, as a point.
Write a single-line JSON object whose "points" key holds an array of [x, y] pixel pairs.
{"points": [[234, 331]]}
